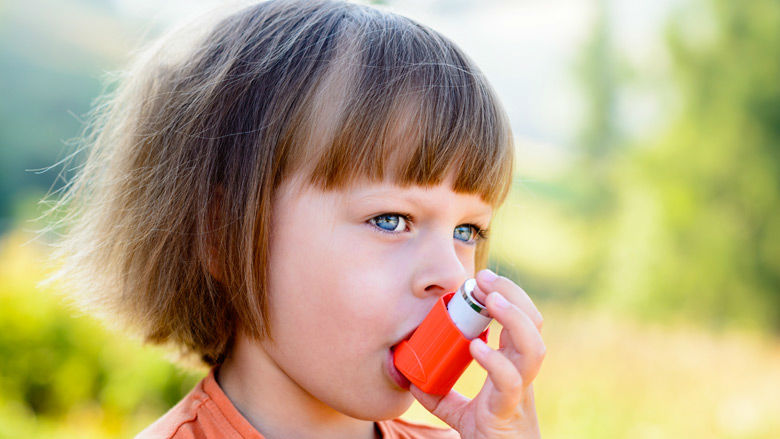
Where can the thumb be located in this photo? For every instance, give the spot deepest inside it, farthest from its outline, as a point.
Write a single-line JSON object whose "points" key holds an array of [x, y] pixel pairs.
{"points": [[449, 408]]}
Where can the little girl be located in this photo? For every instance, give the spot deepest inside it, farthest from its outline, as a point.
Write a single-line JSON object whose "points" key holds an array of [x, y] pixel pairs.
{"points": [[286, 196]]}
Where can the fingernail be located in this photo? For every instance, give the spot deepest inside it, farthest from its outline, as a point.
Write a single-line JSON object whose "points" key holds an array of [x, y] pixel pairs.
{"points": [[487, 276], [500, 301]]}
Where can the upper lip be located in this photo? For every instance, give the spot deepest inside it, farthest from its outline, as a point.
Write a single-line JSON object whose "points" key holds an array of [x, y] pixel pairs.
{"points": [[410, 332], [405, 337]]}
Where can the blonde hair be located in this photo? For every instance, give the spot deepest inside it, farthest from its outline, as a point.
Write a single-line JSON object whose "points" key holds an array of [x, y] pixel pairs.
{"points": [[186, 154]]}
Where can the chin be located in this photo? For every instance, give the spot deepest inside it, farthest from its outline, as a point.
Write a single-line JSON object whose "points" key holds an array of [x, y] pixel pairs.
{"points": [[384, 407]]}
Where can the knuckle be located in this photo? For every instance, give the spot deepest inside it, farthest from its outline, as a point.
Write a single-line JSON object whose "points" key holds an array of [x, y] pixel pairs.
{"points": [[516, 384]]}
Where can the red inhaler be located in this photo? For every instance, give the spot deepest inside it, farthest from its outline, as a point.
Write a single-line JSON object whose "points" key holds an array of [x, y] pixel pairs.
{"points": [[437, 353]]}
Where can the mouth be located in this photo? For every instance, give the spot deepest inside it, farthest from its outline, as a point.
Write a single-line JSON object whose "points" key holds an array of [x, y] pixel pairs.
{"points": [[396, 376]]}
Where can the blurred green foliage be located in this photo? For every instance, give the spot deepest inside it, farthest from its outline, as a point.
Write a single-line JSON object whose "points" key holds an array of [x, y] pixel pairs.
{"points": [[683, 223], [62, 374], [695, 228]]}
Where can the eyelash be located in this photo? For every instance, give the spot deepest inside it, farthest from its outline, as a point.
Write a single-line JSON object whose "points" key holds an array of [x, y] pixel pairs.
{"points": [[481, 234]]}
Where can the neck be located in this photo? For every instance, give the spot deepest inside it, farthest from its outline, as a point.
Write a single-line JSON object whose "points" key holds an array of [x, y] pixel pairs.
{"points": [[276, 405]]}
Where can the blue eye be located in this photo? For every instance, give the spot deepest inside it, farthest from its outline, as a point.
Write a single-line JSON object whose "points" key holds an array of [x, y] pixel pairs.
{"points": [[469, 233], [390, 221]]}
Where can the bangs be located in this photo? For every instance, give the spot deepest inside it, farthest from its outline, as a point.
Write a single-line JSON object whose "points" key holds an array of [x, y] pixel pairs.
{"points": [[410, 108]]}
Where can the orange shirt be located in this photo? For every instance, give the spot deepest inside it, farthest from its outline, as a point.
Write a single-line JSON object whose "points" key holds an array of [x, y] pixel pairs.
{"points": [[206, 413]]}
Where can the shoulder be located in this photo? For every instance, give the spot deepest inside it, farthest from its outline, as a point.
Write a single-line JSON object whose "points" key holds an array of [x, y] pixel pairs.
{"points": [[403, 429], [205, 413]]}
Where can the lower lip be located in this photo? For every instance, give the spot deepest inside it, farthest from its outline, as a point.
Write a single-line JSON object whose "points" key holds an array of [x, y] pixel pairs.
{"points": [[395, 375]]}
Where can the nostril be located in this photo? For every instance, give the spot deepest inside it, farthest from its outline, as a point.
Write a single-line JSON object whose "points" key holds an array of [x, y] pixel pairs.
{"points": [[435, 289]]}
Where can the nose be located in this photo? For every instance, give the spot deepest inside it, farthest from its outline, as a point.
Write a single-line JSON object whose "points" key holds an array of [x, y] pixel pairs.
{"points": [[439, 269]]}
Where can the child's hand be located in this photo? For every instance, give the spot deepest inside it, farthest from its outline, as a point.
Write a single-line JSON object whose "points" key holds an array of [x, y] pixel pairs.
{"points": [[504, 408]]}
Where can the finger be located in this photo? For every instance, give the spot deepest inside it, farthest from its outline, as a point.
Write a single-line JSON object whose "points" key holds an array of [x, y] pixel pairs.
{"points": [[449, 408], [507, 389], [480, 295], [488, 281], [526, 339]]}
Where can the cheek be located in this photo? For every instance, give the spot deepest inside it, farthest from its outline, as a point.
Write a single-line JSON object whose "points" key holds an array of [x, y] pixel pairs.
{"points": [[372, 282], [468, 258], [330, 285], [365, 289]]}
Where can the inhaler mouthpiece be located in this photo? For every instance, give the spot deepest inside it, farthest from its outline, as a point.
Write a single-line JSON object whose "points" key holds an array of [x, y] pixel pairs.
{"points": [[437, 353]]}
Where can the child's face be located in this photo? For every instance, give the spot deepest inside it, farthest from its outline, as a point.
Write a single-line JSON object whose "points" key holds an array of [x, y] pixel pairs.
{"points": [[347, 283]]}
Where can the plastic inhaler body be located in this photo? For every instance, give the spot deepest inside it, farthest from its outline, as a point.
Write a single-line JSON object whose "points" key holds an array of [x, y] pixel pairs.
{"points": [[437, 353]]}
